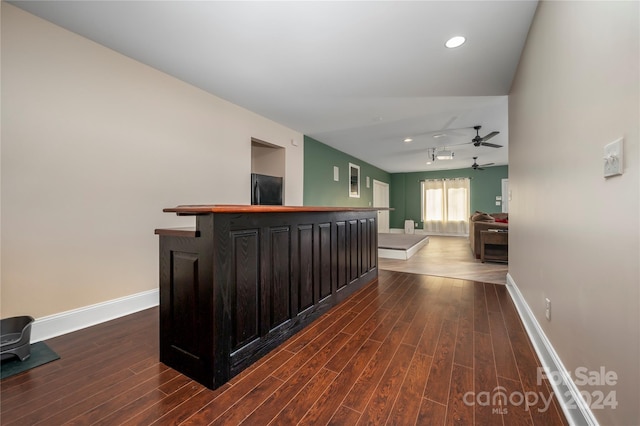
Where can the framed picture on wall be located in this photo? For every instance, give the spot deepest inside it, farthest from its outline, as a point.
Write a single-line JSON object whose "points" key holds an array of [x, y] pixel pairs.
{"points": [[354, 181]]}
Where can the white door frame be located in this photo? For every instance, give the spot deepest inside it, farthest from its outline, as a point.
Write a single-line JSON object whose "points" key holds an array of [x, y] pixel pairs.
{"points": [[505, 195], [383, 215]]}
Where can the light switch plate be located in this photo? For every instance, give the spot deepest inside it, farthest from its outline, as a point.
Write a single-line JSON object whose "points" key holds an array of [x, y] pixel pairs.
{"points": [[613, 158]]}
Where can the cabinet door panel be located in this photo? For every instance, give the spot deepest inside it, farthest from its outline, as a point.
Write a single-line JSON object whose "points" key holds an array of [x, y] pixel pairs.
{"points": [[354, 264], [305, 254], [324, 229], [342, 253], [184, 302], [245, 267], [363, 247], [373, 243], [280, 277]]}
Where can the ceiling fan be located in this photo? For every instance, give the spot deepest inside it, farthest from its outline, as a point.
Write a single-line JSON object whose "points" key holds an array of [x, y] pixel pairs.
{"points": [[476, 141], [476, 166], [482, 141]]}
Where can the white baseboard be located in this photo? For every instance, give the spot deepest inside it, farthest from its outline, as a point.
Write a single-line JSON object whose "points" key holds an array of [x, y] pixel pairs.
{"points": [[423, 232], [567, 393], [76, 319], [401, 231], [442, 234]]}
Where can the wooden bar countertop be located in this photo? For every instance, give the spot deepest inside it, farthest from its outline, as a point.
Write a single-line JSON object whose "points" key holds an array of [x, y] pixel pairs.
{"points": [[243, 208], [201, 209]]}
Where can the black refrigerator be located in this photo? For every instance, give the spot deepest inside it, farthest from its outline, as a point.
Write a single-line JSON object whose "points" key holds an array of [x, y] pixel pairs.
{"points": [[266, 190]]}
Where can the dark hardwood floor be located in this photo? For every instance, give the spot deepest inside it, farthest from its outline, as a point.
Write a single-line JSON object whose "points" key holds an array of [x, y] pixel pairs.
{"points": [[406, 349]]}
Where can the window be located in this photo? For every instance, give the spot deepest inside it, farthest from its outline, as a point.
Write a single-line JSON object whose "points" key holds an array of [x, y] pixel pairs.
{"points": [[445, 206], [433, 204]]}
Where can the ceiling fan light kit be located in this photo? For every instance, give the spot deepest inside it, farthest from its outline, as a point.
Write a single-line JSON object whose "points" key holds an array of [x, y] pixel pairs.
{"points": [[445, 155]]}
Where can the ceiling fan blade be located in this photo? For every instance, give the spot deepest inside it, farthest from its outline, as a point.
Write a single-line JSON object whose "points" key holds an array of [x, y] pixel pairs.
{"points": [[453, 134], [449, 122], [492, 145], [489, 136], [488, 164], [444, 132], [459, 144], [478, 168]]}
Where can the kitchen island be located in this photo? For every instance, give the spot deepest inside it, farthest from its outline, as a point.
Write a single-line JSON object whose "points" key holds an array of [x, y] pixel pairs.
{"points": [[246, 278]]}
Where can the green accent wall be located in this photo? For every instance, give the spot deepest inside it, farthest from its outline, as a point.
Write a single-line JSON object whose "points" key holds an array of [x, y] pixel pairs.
{"points": [[404, 194], [319, 187]]}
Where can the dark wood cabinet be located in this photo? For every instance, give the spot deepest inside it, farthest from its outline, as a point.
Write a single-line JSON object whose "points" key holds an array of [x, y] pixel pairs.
{"points": [[242, 282]]}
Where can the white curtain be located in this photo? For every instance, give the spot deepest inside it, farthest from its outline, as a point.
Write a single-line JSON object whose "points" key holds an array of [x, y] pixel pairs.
{"points": [[445, 206]]}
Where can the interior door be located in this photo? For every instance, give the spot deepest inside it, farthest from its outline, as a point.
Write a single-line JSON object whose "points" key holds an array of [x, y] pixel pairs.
{"points": [[381, 199]]}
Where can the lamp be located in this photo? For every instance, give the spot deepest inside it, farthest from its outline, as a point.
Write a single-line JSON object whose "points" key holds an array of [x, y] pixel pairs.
{"points": [[444, 155]]}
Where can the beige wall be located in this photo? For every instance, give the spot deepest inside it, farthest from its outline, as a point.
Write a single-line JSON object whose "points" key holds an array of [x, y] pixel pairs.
{"points": [[94, 146], [575, 236], [267, 160]]}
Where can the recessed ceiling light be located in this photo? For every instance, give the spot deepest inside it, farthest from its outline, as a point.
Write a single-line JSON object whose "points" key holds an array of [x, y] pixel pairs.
{"points": [[407, 140], [454, 42], [439, 135]]}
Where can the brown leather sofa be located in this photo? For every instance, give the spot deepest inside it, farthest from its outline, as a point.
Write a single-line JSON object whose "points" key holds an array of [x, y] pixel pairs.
{"points": [[480, 221]]}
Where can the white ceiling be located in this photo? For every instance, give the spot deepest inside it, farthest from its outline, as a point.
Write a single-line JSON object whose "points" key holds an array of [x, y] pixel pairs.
{"points": [[357, 75]]}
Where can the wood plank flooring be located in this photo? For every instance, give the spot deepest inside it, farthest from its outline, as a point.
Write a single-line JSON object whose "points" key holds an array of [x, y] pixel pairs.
{"points": [[407, 349]]}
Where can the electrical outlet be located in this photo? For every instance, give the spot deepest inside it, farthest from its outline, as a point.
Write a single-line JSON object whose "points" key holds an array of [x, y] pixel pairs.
{"points": [[547, 309]]}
